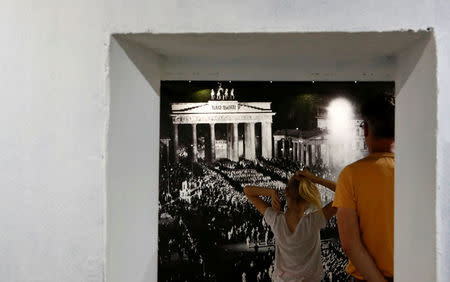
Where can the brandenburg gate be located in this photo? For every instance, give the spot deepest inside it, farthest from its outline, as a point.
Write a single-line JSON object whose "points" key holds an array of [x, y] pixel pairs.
{"points": [[230, 112]]}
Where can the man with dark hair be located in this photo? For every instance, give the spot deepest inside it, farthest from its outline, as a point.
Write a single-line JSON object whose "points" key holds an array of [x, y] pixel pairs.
{"points": [[365, 198], [379, 114]]}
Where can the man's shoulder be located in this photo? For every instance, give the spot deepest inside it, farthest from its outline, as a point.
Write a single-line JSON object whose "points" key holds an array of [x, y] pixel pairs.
{"points": [[372, 159], [354, 165], [367, 163], [367, 160]]}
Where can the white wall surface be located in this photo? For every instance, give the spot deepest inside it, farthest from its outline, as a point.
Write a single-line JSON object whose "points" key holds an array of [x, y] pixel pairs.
{"points": [[54, 112], [410, 61], [443, 140], [415, 164], [132, 172]]}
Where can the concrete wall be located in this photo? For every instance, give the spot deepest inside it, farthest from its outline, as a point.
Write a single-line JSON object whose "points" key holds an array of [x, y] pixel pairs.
{"points": [[132, 172], [55, 111], [415, 167], [443, 140], [329, 69]]}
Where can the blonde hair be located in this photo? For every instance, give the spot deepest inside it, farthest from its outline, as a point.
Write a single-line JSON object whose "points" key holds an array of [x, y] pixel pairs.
{"points": [[302, 189]]}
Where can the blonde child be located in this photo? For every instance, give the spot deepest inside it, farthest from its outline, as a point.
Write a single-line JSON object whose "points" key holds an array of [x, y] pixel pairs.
{"points": [[297, 234]]}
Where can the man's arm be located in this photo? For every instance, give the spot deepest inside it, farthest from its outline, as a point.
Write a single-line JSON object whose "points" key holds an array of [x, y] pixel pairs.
{"points": [[349, 235], [253, 193]]}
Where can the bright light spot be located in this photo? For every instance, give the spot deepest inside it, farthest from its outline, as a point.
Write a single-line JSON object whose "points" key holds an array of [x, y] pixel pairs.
{"points": [[339, 111], [271, 81], [341, 133], [313, 81]]}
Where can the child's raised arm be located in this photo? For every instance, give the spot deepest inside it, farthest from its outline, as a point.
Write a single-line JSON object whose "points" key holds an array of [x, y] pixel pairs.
{"points": [[253, 193], [324, 182]]}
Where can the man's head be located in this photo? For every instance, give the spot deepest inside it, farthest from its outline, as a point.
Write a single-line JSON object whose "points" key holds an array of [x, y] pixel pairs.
{"points": [[379, 122]]}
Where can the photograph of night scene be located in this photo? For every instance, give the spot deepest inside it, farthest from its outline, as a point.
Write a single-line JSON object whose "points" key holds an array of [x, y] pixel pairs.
{"points": [[217, 137]]}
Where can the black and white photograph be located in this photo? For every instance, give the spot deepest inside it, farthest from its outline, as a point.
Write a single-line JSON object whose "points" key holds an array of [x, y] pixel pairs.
{"points": [[218, 137]]}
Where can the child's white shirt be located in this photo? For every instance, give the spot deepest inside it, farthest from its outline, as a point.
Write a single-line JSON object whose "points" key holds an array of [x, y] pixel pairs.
{"points": [[297, 254]]}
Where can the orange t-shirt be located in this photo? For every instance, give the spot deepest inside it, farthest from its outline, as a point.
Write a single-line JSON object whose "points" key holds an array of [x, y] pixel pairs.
{"points": [[367, 186]]}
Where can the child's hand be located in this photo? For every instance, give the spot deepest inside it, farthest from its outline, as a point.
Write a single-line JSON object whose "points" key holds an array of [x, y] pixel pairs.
{"points": [[275, 201], [305, 173]]}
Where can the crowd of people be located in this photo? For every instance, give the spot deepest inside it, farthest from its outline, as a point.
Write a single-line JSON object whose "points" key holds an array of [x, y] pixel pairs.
{"points": [[209, 229], [333, 260]]}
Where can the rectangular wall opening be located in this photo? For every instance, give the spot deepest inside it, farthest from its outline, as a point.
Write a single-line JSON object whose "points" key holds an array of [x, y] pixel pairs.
{"points": [[139, 62]]}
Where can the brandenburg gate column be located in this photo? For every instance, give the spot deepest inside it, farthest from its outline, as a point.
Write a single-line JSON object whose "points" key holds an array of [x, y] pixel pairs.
{"points": [[194, 142], [275, 147], [229, 141], [249, 148], [213, 141], [290, 149], [307, 155], [301, 153], [313, 154], [294, 150], [175, 142], [266, 134], [235, 147]]}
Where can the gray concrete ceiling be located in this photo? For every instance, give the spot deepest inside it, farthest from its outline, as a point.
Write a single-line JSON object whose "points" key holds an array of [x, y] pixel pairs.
{"points": [[284, 46]]}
